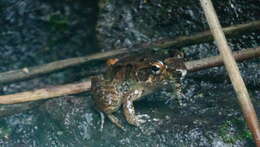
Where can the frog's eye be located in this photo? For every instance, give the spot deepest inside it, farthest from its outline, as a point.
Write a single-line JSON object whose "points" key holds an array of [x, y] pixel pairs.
{"points": [[157, 67]]}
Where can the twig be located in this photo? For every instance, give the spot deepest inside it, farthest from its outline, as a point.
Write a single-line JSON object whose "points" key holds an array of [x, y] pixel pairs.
{"points": [[45, 93], [208, 62], [30, 72], [232, 69], [56, 91], [205, 36]]}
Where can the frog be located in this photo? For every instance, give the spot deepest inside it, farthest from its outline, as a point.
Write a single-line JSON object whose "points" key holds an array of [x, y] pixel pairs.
{"points": [[130, 79]]}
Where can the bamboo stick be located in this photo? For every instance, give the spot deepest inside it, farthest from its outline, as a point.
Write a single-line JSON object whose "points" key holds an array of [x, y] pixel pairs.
{"points": [[232, 69], [30, 72]]}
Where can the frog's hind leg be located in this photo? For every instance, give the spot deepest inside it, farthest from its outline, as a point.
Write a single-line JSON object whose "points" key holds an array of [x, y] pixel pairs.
{"points": [[102, 121], [115, 121]]}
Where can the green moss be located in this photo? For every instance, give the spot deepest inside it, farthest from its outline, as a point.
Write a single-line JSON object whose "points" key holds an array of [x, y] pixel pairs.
{"points": [[59, 22], [234, 130], [5, 132]]}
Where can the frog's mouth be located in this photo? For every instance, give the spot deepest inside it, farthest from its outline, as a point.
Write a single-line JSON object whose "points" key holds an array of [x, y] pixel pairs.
{"points": [[176, 67], [183, 72], [177, 72]]}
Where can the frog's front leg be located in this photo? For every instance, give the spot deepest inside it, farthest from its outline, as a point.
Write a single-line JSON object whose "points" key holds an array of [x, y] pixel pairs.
{"points": [[129, 113]]}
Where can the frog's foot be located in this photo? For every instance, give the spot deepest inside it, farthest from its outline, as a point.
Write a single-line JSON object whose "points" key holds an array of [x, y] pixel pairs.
{"points": [[142, 118], [136, 120], [115, 121]]}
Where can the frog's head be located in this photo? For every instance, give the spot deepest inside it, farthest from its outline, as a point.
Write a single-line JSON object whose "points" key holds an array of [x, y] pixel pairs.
{"points": [[147, 68], [176, 67], [158, 70]]}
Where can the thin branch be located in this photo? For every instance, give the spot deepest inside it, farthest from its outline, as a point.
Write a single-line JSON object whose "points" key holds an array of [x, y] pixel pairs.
{"points": [[208, 62], [232, 69], [205, 36], [45, 93], [30, 72], [56, 91]]}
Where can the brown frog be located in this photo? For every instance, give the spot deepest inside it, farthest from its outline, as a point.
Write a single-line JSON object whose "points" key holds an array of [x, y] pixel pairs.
{"points": [[129, 80]]}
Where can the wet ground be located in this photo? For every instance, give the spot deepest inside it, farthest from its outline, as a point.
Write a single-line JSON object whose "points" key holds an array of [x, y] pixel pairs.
{"points": [[38, 32]]}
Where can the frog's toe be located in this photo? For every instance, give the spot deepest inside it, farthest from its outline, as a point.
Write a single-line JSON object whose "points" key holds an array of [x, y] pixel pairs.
{"points": [[142, 118], [139, 119]]}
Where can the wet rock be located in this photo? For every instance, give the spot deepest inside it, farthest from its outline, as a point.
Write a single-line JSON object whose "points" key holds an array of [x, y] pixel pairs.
{"points": [[36, 32], [6, 110], [125, 24], [206, 106]]}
